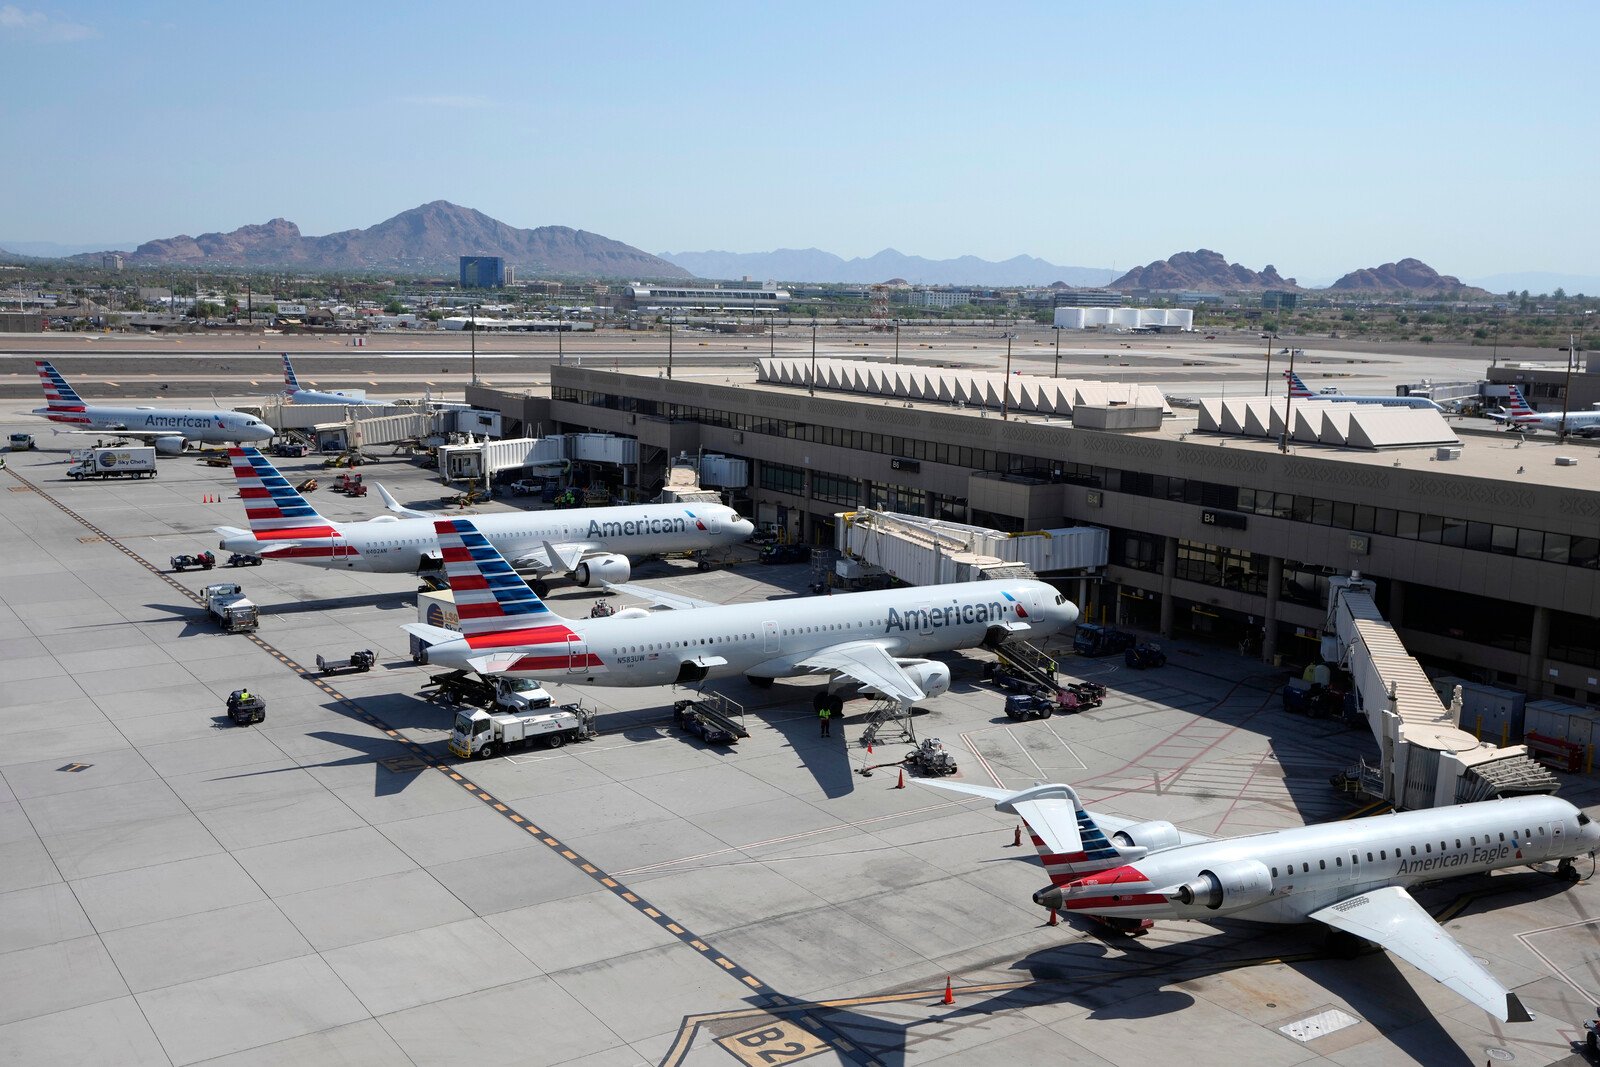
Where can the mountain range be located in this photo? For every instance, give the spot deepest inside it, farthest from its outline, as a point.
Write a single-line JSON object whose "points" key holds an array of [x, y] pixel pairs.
{"points": [[1202, 269], [816, 266], [427, 239]]}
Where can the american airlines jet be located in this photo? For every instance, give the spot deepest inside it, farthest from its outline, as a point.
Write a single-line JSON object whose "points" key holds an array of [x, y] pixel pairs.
{"points": [[294, 394], [166, 428], [876, 638], [589, 545], [1299, 391], [1347, 875], [1519, 416]]}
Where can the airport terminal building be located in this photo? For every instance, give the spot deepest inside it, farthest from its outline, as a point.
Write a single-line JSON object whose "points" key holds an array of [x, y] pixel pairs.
{"points": [[1487, 563]]}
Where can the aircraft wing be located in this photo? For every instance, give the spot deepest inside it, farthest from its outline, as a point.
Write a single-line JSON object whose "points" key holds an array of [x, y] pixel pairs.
{"points": [[1394, 920], [553, 559], [398, 508], [868, 664], [1053, 818], [660, 598]]}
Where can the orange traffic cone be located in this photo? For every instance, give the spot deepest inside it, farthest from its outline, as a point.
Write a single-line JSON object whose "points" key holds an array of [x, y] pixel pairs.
{"points": [[949, 993], [902, 783], [1052, 916]]}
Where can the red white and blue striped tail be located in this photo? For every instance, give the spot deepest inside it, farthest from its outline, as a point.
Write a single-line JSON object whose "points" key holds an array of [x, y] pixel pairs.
{"points": [[58, 395], [490, 596], [1519, 407], [1297, 388], [275, 508], [291, 384], [1095, 852]]}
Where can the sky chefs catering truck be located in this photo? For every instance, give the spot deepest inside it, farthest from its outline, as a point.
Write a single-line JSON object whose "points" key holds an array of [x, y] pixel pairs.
{"points": [[115, 463]]}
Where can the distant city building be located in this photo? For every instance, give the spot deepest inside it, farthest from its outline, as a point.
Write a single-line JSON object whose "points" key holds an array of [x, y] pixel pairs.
{"points": [[1090, 298], [482, 272], [111, 261], [1125, 318], [712, 296], [938, 298], [1277, 298]]}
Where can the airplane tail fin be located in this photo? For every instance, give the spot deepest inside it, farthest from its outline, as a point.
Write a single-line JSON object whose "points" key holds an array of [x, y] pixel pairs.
{"points": [[274, 507], [58, 395], [1297, 388], [291, 384], [1070, 843], [490, 596], [1517, 406]]}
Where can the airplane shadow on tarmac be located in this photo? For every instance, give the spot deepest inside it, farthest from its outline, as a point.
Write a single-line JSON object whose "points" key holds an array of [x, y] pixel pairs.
{"points": [[393, 768]]}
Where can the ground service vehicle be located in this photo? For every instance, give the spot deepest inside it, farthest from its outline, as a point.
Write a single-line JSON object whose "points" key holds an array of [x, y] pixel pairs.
{"points": [[22, 442], [692, 719], [204, 560], [116, 463], [289, 451], [1093, 639], [357, 663], [232, 610], [1145, 655], [243, 559], [499, 694], [480, 735], [245, 708]]}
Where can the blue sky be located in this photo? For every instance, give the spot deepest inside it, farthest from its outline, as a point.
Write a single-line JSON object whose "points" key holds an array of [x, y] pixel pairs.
{"points": [[1316, 137]]}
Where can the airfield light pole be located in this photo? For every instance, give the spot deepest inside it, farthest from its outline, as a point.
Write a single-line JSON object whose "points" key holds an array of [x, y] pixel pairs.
{"points": [[1005, 387], [1057, 373], [772, 333], [561, 346], [1288, 408], [1266, 387], [669, 345], [897, 340], [813, 357], [1566, 390], [472, 314]]}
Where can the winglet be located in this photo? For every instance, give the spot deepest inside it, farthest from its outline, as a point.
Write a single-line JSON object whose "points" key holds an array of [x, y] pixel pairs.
{"points": [[557, 562], [391, 504]]}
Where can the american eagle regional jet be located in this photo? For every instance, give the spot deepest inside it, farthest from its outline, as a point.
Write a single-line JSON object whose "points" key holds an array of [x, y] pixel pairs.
{"points": [[1346, 875], [590, 545], [294, 393], [878, 639], [168, 429]]}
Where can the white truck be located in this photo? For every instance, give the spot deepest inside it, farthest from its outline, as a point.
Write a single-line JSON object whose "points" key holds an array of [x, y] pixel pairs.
{"points": [[479, 734], [515, 695], [233, 611], [139, 462]]}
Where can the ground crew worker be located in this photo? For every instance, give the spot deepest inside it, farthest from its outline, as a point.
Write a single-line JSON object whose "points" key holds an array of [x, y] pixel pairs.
{"points": [[825, 719]]}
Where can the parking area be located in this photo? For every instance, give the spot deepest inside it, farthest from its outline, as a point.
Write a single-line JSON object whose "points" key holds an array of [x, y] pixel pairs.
{"points": [[332, 886]]}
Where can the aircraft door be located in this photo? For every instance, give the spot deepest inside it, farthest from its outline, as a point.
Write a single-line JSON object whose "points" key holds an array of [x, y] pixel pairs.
{"points": [[769, 636], [1556, 831], [713, 524], [577, 655], [341, 554], [924, 618]]}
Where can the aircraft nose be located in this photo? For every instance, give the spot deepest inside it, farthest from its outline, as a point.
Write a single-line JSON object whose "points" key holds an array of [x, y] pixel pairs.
{"points": [[744, 528], [1069, 613]]}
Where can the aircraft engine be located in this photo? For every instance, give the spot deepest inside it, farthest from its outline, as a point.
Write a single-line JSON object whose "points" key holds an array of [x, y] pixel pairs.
{"points": [[170, 446], [931, 675], [1236, 884], [1151, 836], [596, 569]]}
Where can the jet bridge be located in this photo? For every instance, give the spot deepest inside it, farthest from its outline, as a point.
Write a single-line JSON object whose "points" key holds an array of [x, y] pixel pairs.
{"points": [[923, 551], [1427, 759]]}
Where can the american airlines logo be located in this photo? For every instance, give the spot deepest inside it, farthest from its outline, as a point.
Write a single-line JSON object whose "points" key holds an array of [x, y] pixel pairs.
{"points": [[174, 422], [633, 527], [1475, 856], [951, 614]]}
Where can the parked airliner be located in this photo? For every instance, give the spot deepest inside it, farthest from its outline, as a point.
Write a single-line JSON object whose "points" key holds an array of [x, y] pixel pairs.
{"points": [[874, 638], [590, 545], [294, 394], [1300, 391], [1347, 875], [166, 428], [1519, 416]]}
